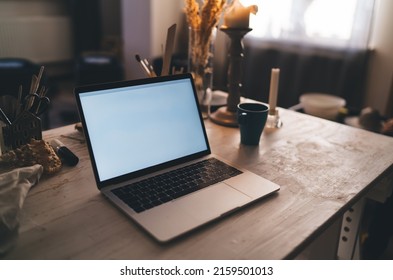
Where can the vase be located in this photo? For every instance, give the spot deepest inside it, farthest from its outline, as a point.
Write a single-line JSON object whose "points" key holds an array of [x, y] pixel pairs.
{"points": [[200, 63]]}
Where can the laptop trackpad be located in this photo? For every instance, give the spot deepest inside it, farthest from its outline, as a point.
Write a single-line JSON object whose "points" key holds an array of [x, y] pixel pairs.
{"points": [[179, 216], [212, 202]]}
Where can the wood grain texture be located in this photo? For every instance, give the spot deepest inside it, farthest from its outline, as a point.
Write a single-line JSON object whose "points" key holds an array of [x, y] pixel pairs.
{"points": [[322, 168]]}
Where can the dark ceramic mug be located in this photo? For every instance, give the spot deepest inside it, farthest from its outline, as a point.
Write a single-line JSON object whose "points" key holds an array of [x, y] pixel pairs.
{"points": [[252, 119]]}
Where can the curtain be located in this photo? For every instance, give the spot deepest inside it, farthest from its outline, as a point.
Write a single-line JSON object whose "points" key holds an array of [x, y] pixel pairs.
{"points": [[328, 23], [337, 72], [319, 46]]}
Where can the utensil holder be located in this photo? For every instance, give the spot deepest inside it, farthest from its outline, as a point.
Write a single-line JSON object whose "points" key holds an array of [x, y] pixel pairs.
{"points": [[25, 127]]}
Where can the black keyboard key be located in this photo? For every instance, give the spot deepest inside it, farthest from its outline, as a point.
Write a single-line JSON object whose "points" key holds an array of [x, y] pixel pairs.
{"points": [[137, 209], [165, 198]]}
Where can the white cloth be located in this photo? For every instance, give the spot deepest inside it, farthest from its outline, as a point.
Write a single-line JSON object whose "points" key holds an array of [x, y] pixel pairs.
{"points": [[14, 186]]}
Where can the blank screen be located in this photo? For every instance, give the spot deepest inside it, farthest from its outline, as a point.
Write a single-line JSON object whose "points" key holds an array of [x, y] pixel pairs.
{"points": [[136, 127]]}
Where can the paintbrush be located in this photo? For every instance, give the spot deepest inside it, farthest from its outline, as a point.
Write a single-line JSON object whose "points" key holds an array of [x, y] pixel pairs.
{"points": [[151, 69], [143, 65]]}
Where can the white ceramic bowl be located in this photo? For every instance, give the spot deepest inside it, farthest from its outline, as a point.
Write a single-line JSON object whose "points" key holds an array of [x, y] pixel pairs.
{"points": [[322, 105]]}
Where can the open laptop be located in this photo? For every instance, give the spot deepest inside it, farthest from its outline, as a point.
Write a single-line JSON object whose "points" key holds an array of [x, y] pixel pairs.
{"points": [[137, 131]]}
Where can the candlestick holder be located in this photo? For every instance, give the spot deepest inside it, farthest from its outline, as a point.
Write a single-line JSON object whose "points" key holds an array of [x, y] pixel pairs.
{"points": [[226, 115], [273, 120]]}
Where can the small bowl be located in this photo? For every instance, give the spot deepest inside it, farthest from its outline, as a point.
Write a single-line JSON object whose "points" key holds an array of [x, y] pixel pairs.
{"points": [[322, 105]]}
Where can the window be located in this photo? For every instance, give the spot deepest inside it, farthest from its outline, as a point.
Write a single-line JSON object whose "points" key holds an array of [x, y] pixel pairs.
{"points": [[336, 23]]}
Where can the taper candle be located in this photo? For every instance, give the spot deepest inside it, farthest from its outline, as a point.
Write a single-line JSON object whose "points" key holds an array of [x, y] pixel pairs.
{"points": [[275, 75]]}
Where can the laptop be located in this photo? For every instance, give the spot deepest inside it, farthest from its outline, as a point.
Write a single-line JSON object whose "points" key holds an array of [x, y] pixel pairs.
{"points": [[144, 136]]}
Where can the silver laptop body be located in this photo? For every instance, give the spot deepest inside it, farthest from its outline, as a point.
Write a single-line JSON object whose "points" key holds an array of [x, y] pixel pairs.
{"points": [[140, 129]]}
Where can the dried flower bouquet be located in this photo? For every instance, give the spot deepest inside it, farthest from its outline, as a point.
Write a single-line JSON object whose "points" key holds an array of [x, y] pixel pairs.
{"points": [[201, 21]]}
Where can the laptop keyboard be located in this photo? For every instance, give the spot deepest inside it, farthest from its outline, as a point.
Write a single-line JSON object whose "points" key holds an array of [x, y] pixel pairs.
{"points": [[162, 188]]}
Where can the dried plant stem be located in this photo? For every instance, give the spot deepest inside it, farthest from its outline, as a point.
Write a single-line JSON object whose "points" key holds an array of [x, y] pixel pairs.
{"points": [[202, 20]]}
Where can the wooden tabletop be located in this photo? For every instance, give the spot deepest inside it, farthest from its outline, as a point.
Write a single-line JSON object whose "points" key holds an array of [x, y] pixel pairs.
{"points": [[322, 167]]}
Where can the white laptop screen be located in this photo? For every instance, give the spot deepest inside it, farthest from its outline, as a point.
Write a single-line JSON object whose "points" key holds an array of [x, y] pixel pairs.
{"points": [[135, 127]]}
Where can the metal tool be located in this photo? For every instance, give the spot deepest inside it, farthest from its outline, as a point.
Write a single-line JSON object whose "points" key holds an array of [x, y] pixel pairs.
{"points": [[36, 104]]}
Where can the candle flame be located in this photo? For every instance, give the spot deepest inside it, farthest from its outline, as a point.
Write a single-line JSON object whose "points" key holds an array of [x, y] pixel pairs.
{"points": [[253, 9]]}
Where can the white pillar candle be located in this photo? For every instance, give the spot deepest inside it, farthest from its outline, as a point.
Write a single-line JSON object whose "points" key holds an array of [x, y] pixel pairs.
{"points": [[237, 16], [275, 75]]}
